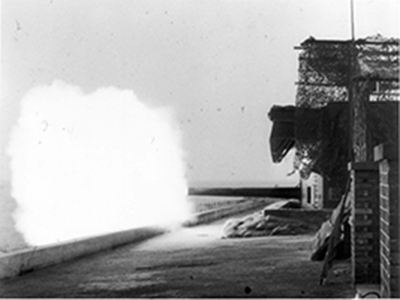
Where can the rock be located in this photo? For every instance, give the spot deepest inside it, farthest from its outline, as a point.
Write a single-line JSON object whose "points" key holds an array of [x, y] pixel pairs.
{"points": [[291, 203], [281, 230], [230, 228], [259, 225]]}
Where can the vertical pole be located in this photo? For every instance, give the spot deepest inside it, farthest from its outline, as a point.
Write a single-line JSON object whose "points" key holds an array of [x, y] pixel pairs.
{"points": [[351, 91], [352, 20], [350, 88]]}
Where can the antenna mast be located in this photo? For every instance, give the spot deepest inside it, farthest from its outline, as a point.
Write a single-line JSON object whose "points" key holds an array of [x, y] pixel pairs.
{"points": [[352, 20]]}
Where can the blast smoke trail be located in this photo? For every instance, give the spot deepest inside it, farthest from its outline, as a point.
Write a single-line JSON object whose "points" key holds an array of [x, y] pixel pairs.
{"points": [[91, 164]]}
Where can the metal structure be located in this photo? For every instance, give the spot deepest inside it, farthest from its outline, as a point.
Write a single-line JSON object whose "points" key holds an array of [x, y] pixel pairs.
{"points": [[356, 71]]}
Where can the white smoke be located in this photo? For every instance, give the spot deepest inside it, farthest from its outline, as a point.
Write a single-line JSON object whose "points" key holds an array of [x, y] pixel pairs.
{"points": [[92, 164]]}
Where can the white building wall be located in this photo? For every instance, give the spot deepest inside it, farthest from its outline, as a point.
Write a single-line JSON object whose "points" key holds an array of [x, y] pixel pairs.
{"points": [[312, 191]]}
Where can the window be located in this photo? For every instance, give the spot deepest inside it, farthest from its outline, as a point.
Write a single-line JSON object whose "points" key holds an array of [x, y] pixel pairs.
{"points": [[309, 194]]}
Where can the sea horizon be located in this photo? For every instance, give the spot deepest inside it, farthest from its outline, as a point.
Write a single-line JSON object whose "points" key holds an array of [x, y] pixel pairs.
{"points": [[238, 184]]}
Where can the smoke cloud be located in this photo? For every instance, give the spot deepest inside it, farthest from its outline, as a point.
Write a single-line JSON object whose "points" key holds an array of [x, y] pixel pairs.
{"points": [[91, 164]]}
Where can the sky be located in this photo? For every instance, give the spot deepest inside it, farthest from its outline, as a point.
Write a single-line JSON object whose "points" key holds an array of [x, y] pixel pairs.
{"points": [[220, 65]]}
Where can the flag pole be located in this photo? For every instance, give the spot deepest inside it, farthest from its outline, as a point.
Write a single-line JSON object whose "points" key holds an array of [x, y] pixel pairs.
{"points": [[334, 237], [352, 20]]}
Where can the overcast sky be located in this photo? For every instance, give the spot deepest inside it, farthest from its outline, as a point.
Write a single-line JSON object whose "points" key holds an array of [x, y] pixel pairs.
{"points": [[221, 65]]}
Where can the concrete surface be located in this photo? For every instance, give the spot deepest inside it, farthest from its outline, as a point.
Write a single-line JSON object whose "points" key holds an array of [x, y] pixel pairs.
{"points": [[189, 263], [26, 260], [23, 261]]}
